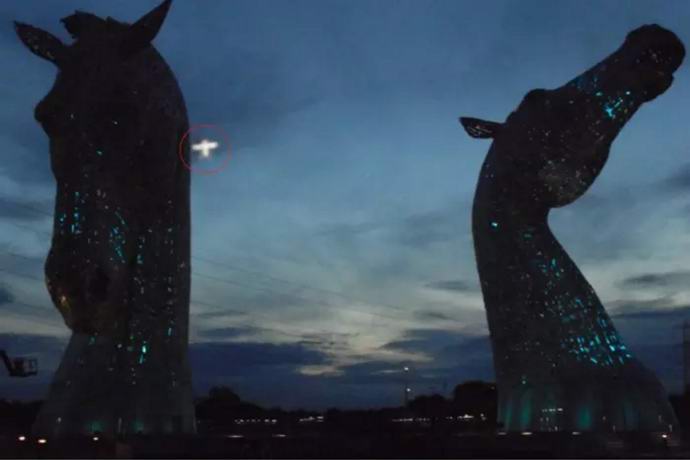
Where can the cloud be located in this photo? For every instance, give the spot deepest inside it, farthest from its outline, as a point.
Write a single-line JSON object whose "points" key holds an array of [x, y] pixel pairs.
{"points": [[5, 295], [424, 340], [678, 312], [15, 209], [454, 286], [236, 358], [425, 229], [677, 279], [451, 354], [453, 358], [432, 316], [417, 230], [625, 306], [228, 332], [346, 230], [678, 181]]}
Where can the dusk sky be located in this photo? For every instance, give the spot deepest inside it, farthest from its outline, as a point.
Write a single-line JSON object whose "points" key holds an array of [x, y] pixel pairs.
{"points": [[336, 246]]}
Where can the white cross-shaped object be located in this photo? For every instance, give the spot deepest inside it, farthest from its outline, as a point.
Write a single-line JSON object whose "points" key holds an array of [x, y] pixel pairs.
{"points": [[205, 147]]}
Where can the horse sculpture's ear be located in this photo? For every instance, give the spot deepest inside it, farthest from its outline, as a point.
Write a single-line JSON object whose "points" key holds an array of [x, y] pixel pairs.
{"points": [[480, 129], [40, 42], [141, 33], [80, 23]]}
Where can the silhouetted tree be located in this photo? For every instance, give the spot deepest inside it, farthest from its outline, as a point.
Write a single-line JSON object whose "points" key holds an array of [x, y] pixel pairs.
{"points": [[223, 406], [476, 397], [224, 395], [433, 406], [16, 417]]}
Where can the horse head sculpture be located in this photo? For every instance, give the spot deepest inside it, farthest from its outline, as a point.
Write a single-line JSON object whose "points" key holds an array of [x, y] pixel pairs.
{"points": [[118, 268]]}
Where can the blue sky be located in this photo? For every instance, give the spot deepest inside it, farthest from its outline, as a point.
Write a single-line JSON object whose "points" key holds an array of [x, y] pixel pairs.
{"points": [[336, 246]]}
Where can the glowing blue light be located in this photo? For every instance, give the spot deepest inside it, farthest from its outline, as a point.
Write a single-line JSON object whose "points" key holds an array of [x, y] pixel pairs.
{"points": [[121, 219], [494, 224]]}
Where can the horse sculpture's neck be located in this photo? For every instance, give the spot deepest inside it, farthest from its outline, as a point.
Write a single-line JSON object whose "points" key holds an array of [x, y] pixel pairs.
{"points": [[537, 293]]}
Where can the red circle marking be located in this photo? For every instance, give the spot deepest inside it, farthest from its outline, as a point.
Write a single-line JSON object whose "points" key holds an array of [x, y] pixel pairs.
{"points": [[224, 135]]}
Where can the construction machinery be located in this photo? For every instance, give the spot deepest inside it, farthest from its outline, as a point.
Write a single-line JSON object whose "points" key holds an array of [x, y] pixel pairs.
{"points": [[19, 367]]}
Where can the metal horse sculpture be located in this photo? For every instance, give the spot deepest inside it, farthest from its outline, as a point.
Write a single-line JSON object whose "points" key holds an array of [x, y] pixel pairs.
{"points": [[559, 362], [118, 267]]}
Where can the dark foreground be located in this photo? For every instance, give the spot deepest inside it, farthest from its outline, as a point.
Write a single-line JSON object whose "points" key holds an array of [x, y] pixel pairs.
{"points": [[408, 445]]}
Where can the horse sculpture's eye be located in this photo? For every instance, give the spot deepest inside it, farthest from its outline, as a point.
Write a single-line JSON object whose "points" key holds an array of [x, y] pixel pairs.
{"points": [[113, 116]]}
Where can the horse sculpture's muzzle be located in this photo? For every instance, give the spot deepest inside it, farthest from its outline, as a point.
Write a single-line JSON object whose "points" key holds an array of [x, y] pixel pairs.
{"points": [[89, 294], [655, 54]]}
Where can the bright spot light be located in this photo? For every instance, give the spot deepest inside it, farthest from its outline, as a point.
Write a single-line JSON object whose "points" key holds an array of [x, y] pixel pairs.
{"points": [[42, 441], [21, 438], [205, 147], [527, 433], [664, 436], [235, 436], [576, 433], [95, 438]]}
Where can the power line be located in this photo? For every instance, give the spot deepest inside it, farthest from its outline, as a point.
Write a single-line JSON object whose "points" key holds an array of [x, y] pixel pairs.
{"points": [[21, 275], [34, 317], [264, 289], [304, 331], [265, 276], [296, 296], [300, 285], [274, 278], [30, 208]]}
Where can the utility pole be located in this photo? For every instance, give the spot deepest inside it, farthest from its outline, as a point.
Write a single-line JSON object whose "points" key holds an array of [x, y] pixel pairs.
{"points": [[686, 357], [406, 385]]}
